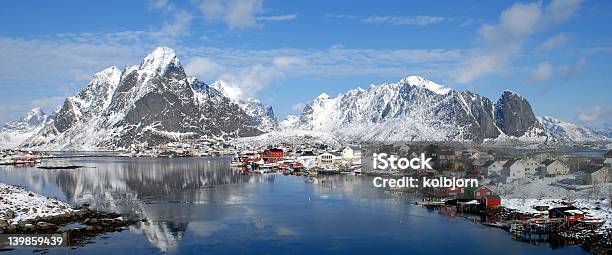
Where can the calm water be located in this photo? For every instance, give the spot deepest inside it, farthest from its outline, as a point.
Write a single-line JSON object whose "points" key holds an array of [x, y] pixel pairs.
{"points": [[200, 205]]}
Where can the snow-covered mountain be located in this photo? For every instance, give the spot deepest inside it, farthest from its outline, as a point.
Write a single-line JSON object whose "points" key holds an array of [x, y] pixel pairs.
{"points": [[15, 132], [142, 105], [416, 109], [262, 116], [572, 132]]}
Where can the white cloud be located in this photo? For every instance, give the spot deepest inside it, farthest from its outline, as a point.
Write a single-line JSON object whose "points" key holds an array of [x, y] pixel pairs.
{"points": [[64, 60], [597, 117], [163, 5], [400, 20], [248, 81], [567, 72], [278, 18], [238, 14], [544, 71], [504, 41], [298, 106], [48, 104], [179, 26], [555, 41], [204, 68]]}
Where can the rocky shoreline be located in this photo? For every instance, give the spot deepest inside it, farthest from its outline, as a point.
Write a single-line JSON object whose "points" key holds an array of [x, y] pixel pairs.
{"points": [[597, 242], [80, 224]]}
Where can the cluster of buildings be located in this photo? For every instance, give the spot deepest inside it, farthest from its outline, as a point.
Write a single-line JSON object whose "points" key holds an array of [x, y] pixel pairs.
{"points": [[316, 158], [17, 157]]}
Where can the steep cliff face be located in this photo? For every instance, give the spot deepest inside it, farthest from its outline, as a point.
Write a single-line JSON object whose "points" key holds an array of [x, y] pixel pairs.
{"points": [[143, 105], [514, 116]]}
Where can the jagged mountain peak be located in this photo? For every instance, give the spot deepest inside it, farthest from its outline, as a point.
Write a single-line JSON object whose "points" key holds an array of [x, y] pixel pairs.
{"points": [[417, 109], [323, 96], [15, 132], [572, 132], [158, 63], [419, 81], [143, 105], [34, 116]]}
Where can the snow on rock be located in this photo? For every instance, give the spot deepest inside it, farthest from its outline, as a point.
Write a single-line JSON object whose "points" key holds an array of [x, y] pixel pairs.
{"points": [[26, 205], [425, 83], [143, 105], [15, 132], [572, 132], [416, 109], [262, 115], [287, 137]]}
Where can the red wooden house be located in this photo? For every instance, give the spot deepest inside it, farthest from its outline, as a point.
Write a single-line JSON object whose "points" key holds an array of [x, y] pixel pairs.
{"points": [[568, 213], [492, 200], [476, 192], [273, 155]]}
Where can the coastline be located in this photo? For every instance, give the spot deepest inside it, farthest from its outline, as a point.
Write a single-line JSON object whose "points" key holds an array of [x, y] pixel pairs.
{"points": [[25, 212]]}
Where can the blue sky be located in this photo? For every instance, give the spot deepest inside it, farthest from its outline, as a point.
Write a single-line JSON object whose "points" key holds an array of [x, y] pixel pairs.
{"points": [[555, 53]]}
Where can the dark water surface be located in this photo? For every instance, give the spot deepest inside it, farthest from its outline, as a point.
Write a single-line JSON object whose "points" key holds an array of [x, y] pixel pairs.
{"points": [[201, 206]]}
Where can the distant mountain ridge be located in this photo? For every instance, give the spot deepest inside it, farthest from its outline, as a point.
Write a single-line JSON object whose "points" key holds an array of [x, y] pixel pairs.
{"points": [[15, 132], [572, 132], [417, 109], [156, 102]]}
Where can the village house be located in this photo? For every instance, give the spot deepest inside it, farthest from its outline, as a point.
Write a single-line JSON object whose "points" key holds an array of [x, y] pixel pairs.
{"points": [[492, 200], [495, 167], [568, 213], [531, 166], [348, 155], [513, 170], [554, 167], [273, 155], [329, 158], [476, 192], [598, 176]]}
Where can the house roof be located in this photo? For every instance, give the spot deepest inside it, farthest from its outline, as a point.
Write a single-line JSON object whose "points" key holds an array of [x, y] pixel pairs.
{"points": [[492, 197], [510, 162], [308, 153], [488, 164], [547, 162], [568, 210]]}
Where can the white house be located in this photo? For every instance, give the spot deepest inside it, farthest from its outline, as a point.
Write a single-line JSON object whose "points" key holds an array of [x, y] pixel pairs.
{"points": [[601, 175], [555, 167], [531, 166], [348, 154], [513, 170], [329, 158], [494, 167]]}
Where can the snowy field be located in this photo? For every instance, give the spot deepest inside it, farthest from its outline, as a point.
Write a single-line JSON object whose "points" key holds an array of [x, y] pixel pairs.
{"points": [[27, 205], [289, 137]]}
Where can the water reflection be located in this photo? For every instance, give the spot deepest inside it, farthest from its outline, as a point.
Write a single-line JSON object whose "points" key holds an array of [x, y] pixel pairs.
{"points": [[201, 205]]}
